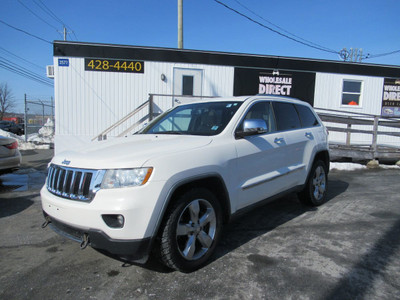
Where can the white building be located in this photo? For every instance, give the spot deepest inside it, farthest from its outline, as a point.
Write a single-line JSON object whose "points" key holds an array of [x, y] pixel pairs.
{"points": [[96, 85]]}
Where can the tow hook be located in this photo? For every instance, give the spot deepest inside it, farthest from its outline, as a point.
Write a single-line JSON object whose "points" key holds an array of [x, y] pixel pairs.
{"points": [[85, 241], [46, 222]]}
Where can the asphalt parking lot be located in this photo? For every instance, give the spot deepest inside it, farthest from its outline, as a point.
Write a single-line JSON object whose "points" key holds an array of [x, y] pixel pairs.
{"points": [[349, 248]]}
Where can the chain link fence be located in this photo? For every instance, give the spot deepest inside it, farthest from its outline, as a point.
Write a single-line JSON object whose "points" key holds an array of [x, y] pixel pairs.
{"points": [[38, 112]]}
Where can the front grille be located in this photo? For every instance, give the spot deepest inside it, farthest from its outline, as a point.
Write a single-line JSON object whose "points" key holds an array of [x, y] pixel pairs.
{"points": [[73, 183]]}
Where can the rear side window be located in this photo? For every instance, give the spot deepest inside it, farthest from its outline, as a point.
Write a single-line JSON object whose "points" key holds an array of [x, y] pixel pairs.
{"points": [[307, 117], [286, 116]]}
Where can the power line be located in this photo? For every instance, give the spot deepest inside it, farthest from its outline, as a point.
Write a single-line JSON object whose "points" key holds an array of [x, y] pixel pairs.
{"points": [[13, 67], [23, 73], [276, 31], [19, 72], [19, 57], [23, 31], [297, 38], [49, 12], [43, 7], [382, 54], [40, 18], [280, 28]]}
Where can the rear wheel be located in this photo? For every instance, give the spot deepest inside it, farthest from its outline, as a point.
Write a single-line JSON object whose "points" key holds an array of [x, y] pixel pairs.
{"points": [[191, 230], [314, 192]]}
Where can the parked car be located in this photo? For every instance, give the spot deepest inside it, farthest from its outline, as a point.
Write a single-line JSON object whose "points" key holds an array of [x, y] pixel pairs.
{"points": [[10, 126], [10, 157], [170, 188]]}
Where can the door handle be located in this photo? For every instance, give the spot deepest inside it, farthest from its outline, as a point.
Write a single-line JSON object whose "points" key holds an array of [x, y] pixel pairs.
{"points": [[279, 141], [309, 135]]}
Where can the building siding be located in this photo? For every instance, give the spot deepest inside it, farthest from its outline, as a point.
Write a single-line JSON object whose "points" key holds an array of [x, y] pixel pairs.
{"points": [[328, 95], [88, 102]]}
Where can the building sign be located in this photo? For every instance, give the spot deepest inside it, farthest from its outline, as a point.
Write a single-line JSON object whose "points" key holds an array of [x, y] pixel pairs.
{"points": [[114, 65], [63, 62], [252, 81], [274, 84], [391, 98]]}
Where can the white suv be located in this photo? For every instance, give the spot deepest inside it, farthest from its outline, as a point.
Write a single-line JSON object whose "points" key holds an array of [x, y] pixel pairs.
{"points": [[169, 188]]}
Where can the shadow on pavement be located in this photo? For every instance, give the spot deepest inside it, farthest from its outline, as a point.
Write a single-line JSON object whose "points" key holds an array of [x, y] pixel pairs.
{"points": [[12, 206], [372, 265], [253, 224], [268, 217]]}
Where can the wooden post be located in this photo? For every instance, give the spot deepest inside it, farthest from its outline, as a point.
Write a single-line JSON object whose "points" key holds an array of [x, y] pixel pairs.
{"points": [[348, 135], [375, 137], [151, 107]]}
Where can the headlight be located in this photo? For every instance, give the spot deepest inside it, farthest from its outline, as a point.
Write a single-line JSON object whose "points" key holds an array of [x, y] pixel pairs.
{"points": [[119, 178]]}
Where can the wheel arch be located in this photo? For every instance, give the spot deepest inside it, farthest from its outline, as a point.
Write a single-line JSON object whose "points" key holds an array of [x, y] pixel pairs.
{"points": [[324, 157], [213, 182]]}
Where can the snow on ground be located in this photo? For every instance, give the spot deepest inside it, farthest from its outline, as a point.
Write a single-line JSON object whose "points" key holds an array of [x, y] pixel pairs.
{"points": [[346, 166], [340, 166], [41, 140]]}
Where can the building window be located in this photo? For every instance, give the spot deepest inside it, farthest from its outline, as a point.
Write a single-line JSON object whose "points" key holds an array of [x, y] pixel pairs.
{"points": [[187, 85], [351, 93]]}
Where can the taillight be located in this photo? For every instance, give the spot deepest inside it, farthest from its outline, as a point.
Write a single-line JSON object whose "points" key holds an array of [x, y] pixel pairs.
{"points": [[12, 145]]}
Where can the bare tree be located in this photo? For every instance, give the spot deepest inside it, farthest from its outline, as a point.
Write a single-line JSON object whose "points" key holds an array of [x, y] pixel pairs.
{"points": [[6, 99]]}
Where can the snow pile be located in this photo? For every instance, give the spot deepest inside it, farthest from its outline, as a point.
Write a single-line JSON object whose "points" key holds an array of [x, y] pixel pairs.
{"points": [[354, 167], [45, 135], [346, 166], [9, 134], [40, 140]]}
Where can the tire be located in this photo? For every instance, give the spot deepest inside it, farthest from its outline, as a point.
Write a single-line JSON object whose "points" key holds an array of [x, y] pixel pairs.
{"points": [[314, 192], [191, 230]]}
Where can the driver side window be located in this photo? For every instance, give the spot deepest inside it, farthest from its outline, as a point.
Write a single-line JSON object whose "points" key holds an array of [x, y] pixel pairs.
{"points": [[261, 111]]}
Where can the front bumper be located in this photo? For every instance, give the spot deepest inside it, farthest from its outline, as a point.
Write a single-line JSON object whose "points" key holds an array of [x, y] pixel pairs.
{"points": [[132, 249], [139, 206]]}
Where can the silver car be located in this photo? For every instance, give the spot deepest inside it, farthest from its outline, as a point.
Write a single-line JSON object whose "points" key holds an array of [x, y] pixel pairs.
{"points": [[10, 157]]}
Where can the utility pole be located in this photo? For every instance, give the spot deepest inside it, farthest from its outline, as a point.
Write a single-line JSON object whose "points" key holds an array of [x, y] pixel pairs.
{"points": [[64, 32], [26, 120], [180, 24]]}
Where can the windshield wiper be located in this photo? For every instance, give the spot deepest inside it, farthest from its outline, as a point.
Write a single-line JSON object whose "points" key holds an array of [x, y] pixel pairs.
{"points": [[169, 132]]}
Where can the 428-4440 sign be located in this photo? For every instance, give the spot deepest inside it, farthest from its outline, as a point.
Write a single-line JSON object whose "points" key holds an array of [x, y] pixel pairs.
{"points": [[113, 65]]}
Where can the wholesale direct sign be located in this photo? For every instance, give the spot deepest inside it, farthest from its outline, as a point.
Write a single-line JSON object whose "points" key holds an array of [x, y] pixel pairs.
{"points": [[275, 85], [253, 81], [391, 98]]}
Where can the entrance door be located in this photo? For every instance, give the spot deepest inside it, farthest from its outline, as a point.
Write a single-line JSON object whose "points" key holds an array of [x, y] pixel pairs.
{"points": [[187, 83]]}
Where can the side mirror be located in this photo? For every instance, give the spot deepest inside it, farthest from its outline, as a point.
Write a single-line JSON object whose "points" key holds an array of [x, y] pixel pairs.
{"points": [[252, 127]]}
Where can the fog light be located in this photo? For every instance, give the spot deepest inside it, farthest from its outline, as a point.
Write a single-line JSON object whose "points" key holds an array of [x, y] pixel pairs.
{"points": [[114, 221]]}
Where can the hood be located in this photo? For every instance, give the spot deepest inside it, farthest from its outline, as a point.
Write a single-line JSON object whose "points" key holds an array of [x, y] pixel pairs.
{"points": [[129, 152]]}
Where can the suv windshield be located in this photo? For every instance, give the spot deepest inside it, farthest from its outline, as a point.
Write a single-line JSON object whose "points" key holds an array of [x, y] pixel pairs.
{"points": [[208, 118]]}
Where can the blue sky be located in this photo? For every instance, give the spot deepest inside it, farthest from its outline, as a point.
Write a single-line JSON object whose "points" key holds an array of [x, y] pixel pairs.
{"points": [[368, 24]]}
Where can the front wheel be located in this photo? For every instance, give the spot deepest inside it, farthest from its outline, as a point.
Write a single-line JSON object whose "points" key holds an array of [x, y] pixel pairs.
{"points": [[191, 230], [314, 192]]}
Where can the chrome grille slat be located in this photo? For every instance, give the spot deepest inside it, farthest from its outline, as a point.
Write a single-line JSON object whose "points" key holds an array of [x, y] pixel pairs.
{"points": [[81, 183], [50, 176], [53, 184], [73, 183]]}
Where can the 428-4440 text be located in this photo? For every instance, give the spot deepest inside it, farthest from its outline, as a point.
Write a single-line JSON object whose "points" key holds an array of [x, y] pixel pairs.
{"points": [[112, 65]]}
